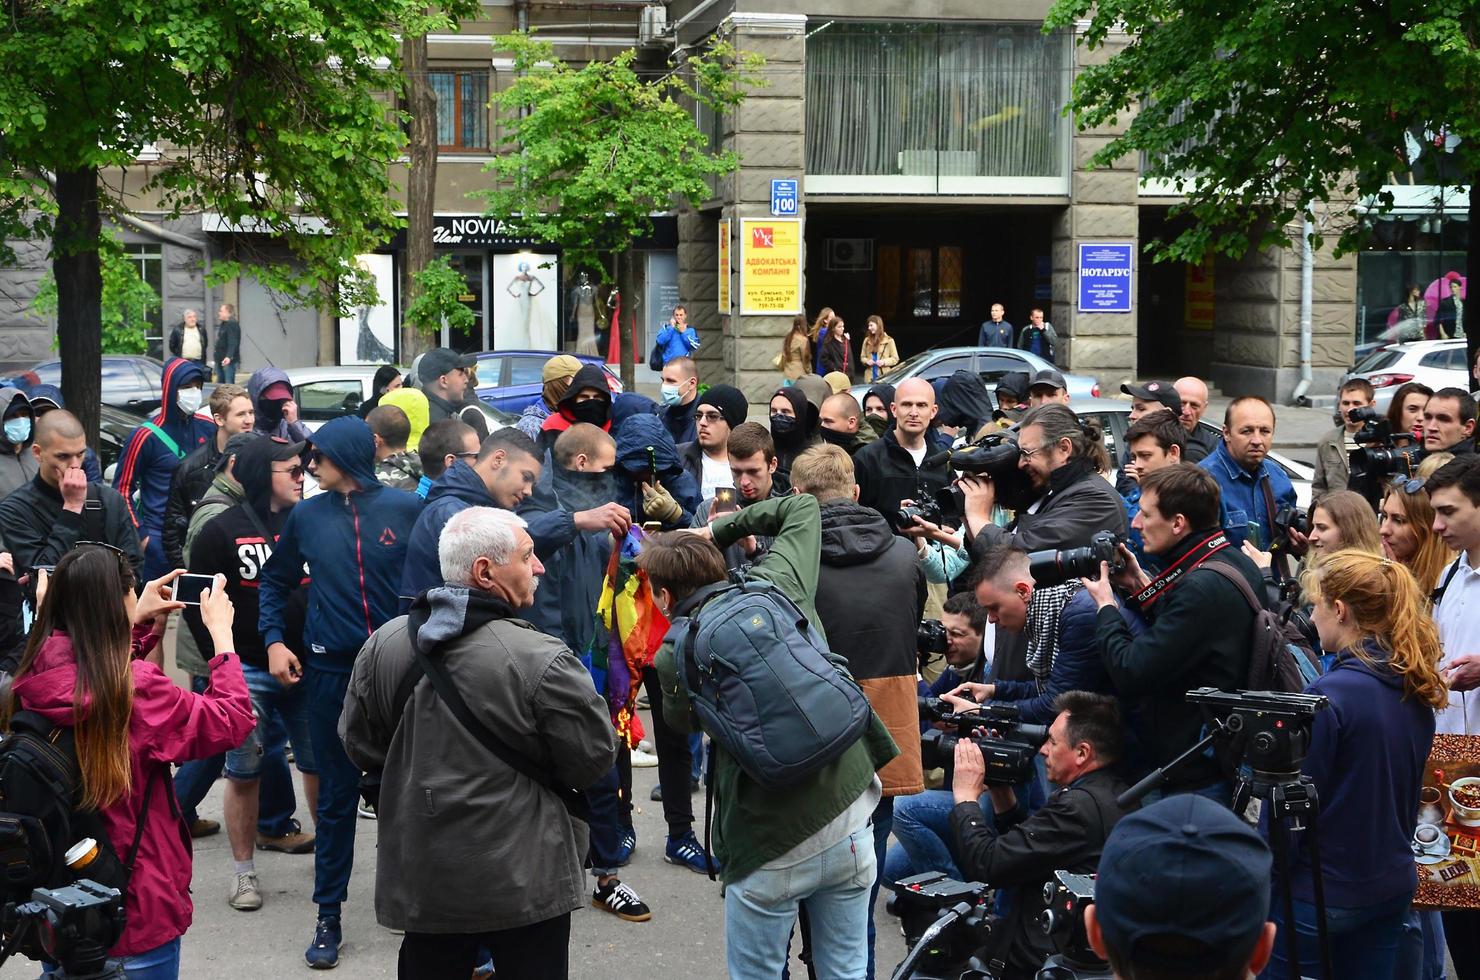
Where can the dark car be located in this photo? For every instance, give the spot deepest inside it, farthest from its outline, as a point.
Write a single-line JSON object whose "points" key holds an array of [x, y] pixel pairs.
{"points": [[114, 426], [512, 379], [130, 381]]}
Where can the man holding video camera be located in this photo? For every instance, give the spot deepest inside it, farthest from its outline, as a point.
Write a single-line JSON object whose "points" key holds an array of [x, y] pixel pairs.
{"points": [[1020, 852], [1198, 621]]}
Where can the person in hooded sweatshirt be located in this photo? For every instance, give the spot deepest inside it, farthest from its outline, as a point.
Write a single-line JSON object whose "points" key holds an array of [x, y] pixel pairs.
{"points": [[353, 536], [151, 453], [555, 378], [17, 462], [588, 399], [645, 451], [1366, 759], [878, 409], [272, 401], [47, 398], [794, 425], [964, 405], [87, 649]]}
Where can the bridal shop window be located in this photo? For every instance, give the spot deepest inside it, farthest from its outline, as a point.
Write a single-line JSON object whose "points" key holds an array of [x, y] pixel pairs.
{"points": [[526, 301]]}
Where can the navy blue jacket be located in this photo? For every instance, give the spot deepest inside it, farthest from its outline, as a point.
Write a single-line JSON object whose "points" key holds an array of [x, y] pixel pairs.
{"points": [[1077, 664], [1243, 493], [634, 436], [1366, 757], [355, 546], [565, 601], [146, 464]]}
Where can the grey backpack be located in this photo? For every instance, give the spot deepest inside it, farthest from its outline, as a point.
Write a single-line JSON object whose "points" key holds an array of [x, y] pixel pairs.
{"points": [[763, 683]]}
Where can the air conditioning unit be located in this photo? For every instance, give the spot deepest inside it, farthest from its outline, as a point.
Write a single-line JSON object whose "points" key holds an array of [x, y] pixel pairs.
{"points": [[850, 254], [652, 24]]}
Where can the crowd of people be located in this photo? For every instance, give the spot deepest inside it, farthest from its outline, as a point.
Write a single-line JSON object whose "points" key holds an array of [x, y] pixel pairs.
{"points": [[422, 638]]}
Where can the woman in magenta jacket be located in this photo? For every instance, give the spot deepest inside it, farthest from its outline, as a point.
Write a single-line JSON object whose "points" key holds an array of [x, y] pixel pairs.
{"points": [[135, 723]]}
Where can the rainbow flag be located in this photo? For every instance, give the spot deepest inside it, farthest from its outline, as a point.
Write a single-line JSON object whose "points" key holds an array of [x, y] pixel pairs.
{"points": [[629, 630]]}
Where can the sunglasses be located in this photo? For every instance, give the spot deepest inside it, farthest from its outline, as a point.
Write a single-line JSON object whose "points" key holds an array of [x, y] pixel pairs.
{"points": [[125, 570], [1408, 486], [296, 472]]}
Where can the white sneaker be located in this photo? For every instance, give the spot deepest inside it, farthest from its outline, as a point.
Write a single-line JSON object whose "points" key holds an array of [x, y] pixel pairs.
{"points": [[246, 897], [643, 760]]}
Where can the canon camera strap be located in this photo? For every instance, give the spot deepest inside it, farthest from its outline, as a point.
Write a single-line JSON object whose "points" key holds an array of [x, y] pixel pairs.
{"points": [[1195, 556]]}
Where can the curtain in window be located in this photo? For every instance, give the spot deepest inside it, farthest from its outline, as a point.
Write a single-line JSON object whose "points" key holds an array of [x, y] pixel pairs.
{"points": [[474, 111], [967, 100], [444, 84]]}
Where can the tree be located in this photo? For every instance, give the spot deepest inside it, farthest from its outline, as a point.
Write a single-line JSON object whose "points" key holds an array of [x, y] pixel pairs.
{"points": [[1258, 115], [125, 302], [421, 182], [588, 155], [271, 115], [437, 289]]}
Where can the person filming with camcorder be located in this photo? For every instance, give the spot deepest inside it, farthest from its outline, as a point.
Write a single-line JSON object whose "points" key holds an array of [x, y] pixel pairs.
{"points": [[1014, 851]]}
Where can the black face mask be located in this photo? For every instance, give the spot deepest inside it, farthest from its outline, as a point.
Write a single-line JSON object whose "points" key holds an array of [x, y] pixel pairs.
{"points": [[835, 438], [783, 427], [593, 411], [271, 411], [879, 423]]}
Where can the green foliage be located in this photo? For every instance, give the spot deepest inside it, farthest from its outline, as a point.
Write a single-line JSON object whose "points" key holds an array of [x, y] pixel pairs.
{"points": [[589, 154], [280, 105], [127, 300], [437, 289], [1258, 112]]}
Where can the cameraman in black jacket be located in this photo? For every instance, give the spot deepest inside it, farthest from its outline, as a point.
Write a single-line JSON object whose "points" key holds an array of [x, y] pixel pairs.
{"points": [[1021, 852], [1199, 624], [1063, 460]]}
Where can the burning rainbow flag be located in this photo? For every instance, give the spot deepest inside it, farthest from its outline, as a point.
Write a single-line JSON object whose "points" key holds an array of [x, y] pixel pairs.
{"points": [[630, 629]]}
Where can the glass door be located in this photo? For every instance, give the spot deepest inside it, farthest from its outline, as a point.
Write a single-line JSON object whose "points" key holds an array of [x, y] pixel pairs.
{"points": [[475, 338]]}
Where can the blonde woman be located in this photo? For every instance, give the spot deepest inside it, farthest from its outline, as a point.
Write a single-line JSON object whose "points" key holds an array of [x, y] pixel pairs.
{"points": [[879, 353]]}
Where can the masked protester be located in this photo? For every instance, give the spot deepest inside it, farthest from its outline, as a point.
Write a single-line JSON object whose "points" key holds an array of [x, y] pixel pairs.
{"points": [[588, 399], [17, 462], [272, 401], [792, 427]]}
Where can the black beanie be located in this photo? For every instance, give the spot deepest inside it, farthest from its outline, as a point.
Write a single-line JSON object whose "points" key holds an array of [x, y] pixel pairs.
{"points": [[728, 401]]}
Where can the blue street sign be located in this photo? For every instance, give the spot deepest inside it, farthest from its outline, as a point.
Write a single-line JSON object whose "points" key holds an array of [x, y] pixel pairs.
{"points": [[1106, 276], [783, 197]]}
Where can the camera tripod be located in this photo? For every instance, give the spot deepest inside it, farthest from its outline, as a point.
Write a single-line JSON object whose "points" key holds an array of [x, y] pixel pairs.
{"points": [[1292, 804]]}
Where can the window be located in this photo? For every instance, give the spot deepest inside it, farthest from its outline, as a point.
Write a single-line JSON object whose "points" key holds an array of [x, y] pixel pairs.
{"points": [[462, 109], [945, 367], [931, 277], [526, 371], [150, 260], [322, 400], [923, 108]]}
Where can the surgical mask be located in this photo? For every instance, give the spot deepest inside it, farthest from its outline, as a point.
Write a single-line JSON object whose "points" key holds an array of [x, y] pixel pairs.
{"points": [[669, 394], [188, 399], [592, 410], [17, 430]]}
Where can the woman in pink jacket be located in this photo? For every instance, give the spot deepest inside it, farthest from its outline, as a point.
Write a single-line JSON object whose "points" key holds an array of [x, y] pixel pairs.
{"points": [[133, 722]]}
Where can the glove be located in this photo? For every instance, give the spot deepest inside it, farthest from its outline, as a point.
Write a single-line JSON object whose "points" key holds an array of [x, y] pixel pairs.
{"points": [[659, 505]]}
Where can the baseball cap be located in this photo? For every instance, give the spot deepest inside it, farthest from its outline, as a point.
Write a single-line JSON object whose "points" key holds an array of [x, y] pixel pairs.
{"points": [[1048, 376], [276, 391], [1156, 391], [234, 445], [441, 360], [560, 366], [1187, 867], [283, 450]]}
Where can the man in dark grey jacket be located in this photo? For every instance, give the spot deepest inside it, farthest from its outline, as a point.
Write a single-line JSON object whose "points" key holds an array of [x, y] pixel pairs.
{"points": [[472, 852]]}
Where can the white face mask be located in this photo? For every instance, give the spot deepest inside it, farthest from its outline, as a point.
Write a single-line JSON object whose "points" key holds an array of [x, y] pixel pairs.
{"points": [[188, 400]]}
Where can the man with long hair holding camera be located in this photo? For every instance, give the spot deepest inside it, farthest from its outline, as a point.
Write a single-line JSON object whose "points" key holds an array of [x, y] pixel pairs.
{"points": [[1198, 621], [1020, 852]]}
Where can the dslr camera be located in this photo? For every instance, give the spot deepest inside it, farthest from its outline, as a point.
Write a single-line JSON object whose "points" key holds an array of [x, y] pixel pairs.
{"points": [[930, 637], [1052, 567], [1009, 745]]}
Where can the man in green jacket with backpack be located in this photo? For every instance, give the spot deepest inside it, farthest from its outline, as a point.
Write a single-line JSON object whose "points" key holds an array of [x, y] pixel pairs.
{"points": [[782, 836]]}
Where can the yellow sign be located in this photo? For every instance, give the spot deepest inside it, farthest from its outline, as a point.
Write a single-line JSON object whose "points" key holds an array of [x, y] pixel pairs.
{"points": [[1198, 303], [724, 267], [770, 266]]}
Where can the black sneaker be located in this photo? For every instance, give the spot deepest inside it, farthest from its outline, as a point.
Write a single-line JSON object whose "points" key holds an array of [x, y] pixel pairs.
{"points": [[621, 901]]}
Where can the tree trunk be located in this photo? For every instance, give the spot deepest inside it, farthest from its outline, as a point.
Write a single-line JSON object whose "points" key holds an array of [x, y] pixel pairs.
{"points": [[79, 277], [627, 320], [421, 182], [1472, 277]]}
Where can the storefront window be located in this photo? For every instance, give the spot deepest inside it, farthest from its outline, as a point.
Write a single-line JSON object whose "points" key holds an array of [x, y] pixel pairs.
{"points": [[1407, 251], [920, 108]]}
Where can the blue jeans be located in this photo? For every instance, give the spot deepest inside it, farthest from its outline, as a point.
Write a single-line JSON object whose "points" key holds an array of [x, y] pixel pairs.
{"points": [[1421, 949], [606, 825], [276, 801], [339, 788], [883, 823], [922, 834], [1363, 941], [275, 706], [226, 373], [160, 963], [761, 908]]}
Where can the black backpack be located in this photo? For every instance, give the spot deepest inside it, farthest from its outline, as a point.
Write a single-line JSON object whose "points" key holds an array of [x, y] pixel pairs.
{"points": [[1280, 655], [40, 816]]}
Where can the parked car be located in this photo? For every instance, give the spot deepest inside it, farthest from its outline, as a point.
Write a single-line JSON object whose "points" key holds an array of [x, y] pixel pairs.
{"points": [[130, 381], [991, 363], [327, 392], [511, 380], [1436, 363], [1113, 415], [114, 426]]}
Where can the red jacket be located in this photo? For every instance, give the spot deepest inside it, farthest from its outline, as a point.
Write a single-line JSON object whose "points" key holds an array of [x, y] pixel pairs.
{"points": [[168, 725]]}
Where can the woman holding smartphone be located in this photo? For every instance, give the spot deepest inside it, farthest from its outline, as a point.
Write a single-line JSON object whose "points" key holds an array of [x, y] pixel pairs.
{"points": [[84, 669]]}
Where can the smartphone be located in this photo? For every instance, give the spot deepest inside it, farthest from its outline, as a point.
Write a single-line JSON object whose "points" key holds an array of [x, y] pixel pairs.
{"points": [[652, 527], [187, 588], [726, 500]]}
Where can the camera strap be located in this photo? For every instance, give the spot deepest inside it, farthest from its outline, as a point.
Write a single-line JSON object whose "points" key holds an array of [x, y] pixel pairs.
{"points": [[1194, 557]]}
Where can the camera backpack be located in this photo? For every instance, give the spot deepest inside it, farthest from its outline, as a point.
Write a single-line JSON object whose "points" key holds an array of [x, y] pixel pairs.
{"points": [[764, 684], [1280, 656], [40, 787]]}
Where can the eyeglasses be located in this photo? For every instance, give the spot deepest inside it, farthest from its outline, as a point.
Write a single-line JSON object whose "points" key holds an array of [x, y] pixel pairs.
{"points": [[709, 417], [296, 472], [1030, 453], [1408, 486], [315, 458], [471, 455]]}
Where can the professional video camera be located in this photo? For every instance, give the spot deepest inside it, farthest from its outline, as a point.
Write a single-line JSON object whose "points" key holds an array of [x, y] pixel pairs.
{"points": [[994, 455], [73, 927], [1065, 899], [1375, 430], [1053, 567], [945, 922], [1377, 456], [1008, 745]]}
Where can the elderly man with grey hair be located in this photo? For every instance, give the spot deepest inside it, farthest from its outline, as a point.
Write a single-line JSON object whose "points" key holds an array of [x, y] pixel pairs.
{"points": [[478, 844]]}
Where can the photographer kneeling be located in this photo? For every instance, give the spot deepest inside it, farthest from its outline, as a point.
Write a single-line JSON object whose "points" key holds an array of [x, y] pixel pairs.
{"points": [[1020, 852], [1199, 622]]}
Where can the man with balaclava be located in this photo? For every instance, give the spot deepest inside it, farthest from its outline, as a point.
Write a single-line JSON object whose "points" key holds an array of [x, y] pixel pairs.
{"points": [[272, 403], [556, 377], [588, 400]]}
